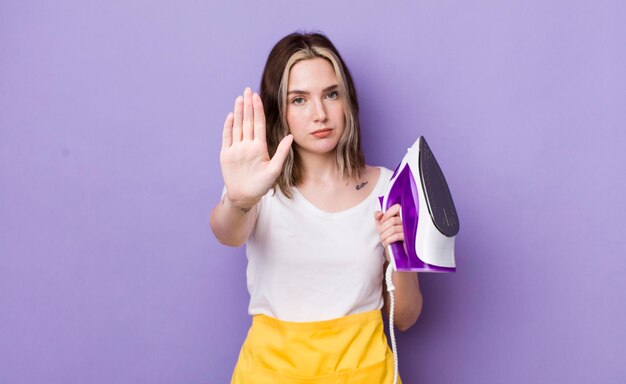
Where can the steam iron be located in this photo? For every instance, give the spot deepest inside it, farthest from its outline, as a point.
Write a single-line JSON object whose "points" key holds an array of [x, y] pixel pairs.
{"points": [[429, 218]]}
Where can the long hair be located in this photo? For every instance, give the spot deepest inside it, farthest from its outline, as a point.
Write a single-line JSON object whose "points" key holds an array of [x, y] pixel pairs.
{"points": [[286, 53]]}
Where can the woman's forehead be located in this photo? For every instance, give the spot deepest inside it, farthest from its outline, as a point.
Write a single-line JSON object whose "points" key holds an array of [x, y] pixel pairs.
{"points": [[311, 75]]}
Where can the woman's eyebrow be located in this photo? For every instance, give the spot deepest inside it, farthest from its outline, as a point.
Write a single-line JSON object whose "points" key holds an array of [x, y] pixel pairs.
{"points": [[329, 88]]}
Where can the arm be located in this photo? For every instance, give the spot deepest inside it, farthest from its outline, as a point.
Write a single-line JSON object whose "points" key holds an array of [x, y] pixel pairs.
{"points": [[232, 224], [408, 297], [247, 169]]}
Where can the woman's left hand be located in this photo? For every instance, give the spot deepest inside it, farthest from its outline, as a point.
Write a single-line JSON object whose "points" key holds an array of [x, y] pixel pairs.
{"points": [[389, 225]]}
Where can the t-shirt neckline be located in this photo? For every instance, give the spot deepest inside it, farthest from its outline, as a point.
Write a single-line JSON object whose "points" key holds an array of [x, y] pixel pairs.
{"points": [[313, 208]]}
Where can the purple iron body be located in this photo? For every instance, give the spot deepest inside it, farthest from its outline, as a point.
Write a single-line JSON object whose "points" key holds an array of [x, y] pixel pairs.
{"points": [[429, 218]]}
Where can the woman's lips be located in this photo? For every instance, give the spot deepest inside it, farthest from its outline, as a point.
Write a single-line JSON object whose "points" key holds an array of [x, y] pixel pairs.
{"points": [[321, 133]]}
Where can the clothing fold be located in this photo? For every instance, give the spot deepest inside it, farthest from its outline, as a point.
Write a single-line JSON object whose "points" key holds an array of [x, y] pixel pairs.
{"points": [[347, 350]]}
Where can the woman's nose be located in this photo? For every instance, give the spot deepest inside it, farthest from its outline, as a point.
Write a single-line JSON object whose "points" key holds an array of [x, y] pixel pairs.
{"points": [[319, 112]]}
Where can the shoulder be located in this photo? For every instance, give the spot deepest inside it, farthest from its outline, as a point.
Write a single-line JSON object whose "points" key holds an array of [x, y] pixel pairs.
{"points": [[376, 172], [380, 177], [385, 173]]}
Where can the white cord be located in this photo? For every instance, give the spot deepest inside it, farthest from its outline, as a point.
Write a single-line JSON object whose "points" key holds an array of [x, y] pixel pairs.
{"points": [[392, 334]]}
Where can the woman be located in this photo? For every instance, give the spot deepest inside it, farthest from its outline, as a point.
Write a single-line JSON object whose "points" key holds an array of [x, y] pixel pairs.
{"points": [[299, 194]]}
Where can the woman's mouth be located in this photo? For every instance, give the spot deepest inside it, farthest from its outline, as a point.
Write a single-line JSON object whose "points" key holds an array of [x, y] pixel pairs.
{"points": [[321, 133]]}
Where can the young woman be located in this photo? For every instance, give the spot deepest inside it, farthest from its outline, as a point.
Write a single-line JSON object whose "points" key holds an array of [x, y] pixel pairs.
{"points": [[299, 194]]}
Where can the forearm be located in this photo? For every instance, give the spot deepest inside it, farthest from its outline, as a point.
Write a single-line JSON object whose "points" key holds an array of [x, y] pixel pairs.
{"points": [[408, 299], [232, 223], [407, 294]]}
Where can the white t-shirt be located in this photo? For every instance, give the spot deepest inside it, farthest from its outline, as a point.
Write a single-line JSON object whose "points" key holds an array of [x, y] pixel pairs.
{"points": [[305, 264]]}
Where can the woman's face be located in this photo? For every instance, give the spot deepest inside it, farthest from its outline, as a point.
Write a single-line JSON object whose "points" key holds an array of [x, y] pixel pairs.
{"points": [[315, 108]]}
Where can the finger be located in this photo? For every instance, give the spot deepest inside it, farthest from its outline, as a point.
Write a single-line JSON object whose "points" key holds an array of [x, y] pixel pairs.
{"points": [[392, 222], [390, 230], [393, 239], [393, 211], [377, 217], [276, 163], [384, 234], [391, 236], [259, 118], [237, 120], [227, 133], [247, 114]]}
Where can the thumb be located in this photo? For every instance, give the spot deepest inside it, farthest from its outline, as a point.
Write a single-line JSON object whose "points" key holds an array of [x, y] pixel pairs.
{"points": [[276, 163]]}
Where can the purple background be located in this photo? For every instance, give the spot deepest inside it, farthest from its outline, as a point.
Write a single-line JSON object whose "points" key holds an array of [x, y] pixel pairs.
{"points": [[110, 121]]}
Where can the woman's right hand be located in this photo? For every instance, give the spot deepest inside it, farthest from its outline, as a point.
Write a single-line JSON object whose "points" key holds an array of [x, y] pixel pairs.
{"points": [[247, 168]]}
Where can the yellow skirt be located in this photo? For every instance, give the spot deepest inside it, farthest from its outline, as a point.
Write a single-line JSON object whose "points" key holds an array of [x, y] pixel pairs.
{"points": [[348, 350]]}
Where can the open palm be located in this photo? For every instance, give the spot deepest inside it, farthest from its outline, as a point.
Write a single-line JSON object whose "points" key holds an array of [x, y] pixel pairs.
{"points": [[247, 168]]}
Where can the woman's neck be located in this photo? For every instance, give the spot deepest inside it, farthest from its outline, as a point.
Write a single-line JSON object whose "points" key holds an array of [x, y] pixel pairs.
{"points": [[318, 168]]}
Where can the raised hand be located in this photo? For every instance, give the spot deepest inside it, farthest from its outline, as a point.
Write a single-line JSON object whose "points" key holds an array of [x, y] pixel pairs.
{"points": [[247, 168]]}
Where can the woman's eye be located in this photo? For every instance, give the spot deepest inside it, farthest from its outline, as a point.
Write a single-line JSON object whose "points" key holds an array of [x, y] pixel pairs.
{"points": [[332, 95], [297, 100]]}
